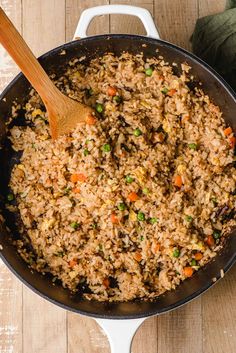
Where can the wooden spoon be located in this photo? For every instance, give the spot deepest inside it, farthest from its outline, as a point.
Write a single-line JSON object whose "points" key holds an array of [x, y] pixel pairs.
{"points": [[63, 113]]}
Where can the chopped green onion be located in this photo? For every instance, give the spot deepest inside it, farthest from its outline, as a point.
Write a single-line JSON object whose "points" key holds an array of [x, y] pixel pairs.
{"points": [[176, 253], [99, 107], [100, 247], [10, 197], [121, 206], [216, 234], [141, 238], [94, 226], [117, 99], [129, 179], [74, 225], [188, 218], [106, 147], [145, 191], [149, 71], [141, 216], [67, 191], [192, 146], [193, 262], [153, 220], [137, 132], [214, 200], [86, 152], [60, 253], [90, 91], [164, 90]]}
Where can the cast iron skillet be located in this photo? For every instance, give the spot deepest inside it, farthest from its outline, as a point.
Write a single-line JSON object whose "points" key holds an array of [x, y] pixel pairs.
{"points": [[18, 89]]}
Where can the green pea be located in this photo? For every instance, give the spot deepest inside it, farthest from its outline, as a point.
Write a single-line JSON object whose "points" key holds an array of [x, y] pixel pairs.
{"points": [[193, 262], [164, 90], [145, 191], [176, 253], [141, 216], [99, 108], [149, 71], [188, 218], [86, 152], [192, 146], [216, 234], [122, 206], [10, 197], [117, 99], [106, 147], [129, 179], [153, 220], [74, 225], [137, 132]]}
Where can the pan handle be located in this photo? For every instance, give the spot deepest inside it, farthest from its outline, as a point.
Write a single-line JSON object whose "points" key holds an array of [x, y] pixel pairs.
{"points": [[120, 333], [143, 14]]}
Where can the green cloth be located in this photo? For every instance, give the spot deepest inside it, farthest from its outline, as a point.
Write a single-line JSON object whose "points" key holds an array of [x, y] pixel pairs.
{"points": [[214, 40]]}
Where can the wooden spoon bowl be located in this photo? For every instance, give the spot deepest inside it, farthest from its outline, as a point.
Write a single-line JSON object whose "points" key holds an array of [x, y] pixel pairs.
{"points": [[64, 113]]}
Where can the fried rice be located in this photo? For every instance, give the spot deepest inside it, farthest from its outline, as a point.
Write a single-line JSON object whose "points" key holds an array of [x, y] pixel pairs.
{"points": [[137, 199]]}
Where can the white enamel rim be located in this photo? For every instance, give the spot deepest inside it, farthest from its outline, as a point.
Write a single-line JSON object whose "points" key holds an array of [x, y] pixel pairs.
{"points": [[143, 14], [120, 333]]}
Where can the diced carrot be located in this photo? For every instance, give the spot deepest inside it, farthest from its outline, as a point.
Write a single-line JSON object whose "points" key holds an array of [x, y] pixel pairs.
{"points": [[114, 219], [210, 240], [133, 196], [171, 92], [72, 263], [106, 282], [137, 256], [188, 271], [76, 190], [158, 137], [178, 181], [122, 154], [77, 177], [185, 118], [155, 247], [198, 256], [228, 131], [232, 141], [90, 120], [111, 91]]}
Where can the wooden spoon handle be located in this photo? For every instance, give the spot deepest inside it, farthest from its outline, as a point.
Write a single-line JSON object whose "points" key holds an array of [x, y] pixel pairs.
{"points": [[15, 45]]}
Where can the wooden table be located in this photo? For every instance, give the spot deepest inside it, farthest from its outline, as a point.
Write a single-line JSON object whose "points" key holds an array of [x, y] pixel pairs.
{"points": [[29, 324]]}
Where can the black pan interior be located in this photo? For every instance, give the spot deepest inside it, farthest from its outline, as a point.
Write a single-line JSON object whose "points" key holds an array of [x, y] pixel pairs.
{"points": [[18, 90]]}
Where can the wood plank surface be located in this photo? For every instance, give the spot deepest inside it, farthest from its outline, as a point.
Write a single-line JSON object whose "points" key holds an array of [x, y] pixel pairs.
{"points": [[29, 323], [210, 7], [181, 330], [176, 20], [219, 316]]}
